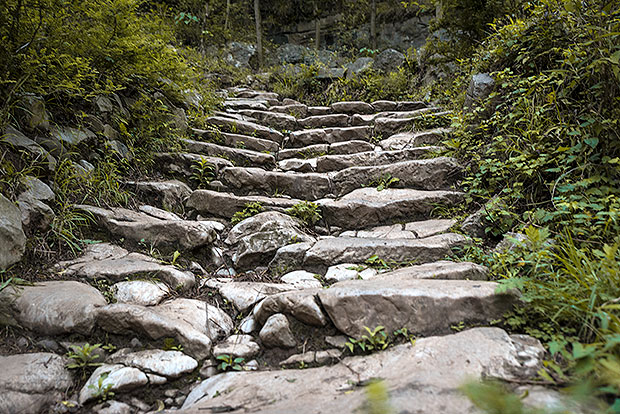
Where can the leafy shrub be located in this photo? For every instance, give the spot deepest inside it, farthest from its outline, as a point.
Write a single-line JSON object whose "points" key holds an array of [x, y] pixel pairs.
{"points": [[306, 211], [251, 209]]}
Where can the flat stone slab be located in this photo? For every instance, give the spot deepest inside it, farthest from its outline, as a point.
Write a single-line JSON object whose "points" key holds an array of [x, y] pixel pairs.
{"points": [[371, 158], [140, 292], [427, 174], [308, 186], [301, 304], [237, 140], [297, 110], [335, 250], [328, 135], [318, 150], [241, 157], [183, 319], [119, 378], [388, 126], [107, 261], [273, 119], [442, 365], [31, 383], [352, 107], [169, 364], [226, 205], [140, 227], [183, 162], [404, 140], [324, 121], [442, 270], [367, 207], [413, 230], [242, 346], [169, 194], [55, 308], [245, 294], [246, 128], [12, 237], [422, 306], [236, 104]]}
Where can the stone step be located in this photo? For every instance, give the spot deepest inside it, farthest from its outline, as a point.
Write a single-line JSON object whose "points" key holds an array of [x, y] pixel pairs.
{"points": [[215, 203], [413, 230], [317, 150], [427, 174], [352, 107], [370, 119], [139, 227], [367, 207], [388, 126], [307, 137], [328, 163], [325, 121], [245, 128], [441, 270], [273, 119], [249, 94], [423, 306], [237, 140], [398, 106], [310, 186], [254, 104], [319, 110], [403, 140], [425, 377], [330, 251], [168, 194], [241, 157], [298, 110], [184, 163]]}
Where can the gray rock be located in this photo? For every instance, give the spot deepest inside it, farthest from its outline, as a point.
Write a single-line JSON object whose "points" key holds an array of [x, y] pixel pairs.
{"points": [[421, 306], [236, 104], [350, 147], [404, 140], [328, 135], [335, 250], [242, 346], [241, 55], [63, 138], [384, 105], [276, 332], [413, 230], [119, 378], [237, 140], [308, 186], [352, 107], [15, 138], [54, 308], [301, 304], [366, 207], [290, 257], [184, 319], [298, 110], [140, 227], [248, 325], [12, 237], [259, 237], [312, 357], [169, 364], [140, 292], [319, 110], [242, 157], [158, 213], [35, 215], [32, 113], [227, 204], [480, 87], [30, 383], [310, 151], [475, 224], [113, 407], [349, 271], [245, 294], [278, 120], [387, 126], [331, 73], [301, 279], [36, 189], [245, 127], [184, 163], [360, 65], [324, 121], [389, 60], [442, 365], [168, 194], [371, 158], [298, 165], [114, 263], [443, 269], [290, 53]]}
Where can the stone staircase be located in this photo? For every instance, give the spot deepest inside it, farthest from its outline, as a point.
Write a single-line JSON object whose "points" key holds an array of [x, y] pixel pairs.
{"points": [[280, 293]]}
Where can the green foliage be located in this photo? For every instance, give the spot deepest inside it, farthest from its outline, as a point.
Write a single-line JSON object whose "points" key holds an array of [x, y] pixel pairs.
{"points": [[377, 262], [102, 391], [203, 172], [171, 344], [377, 398], [229, 363], [83, 357], [383, 182], [306, 211], [251, 209], [376, 340], [493, 398]]}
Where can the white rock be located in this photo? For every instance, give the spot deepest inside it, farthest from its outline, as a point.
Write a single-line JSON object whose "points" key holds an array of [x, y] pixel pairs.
{"points": [[140, 292], [301, 279]]}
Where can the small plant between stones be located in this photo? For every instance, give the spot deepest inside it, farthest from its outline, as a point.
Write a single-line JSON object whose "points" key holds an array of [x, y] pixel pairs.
{"points": [[306, 211], [383, 182], [251, 209], [228, 363], [376, 340], [83, 357], [102, 392], [202, 172]]}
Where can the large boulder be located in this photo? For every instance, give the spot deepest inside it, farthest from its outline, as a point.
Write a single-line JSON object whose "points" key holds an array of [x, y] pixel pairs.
{"points": [[420, 378], [480, 87], [290, 53], [12, 237], [259, 237], [241, 55], [389, 60], [31, 383]]}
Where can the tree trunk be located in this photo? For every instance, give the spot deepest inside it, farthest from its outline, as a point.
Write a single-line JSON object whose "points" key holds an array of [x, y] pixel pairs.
{"points": [[317, 28], [259, 34], [227, 14], [373, 24]]}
